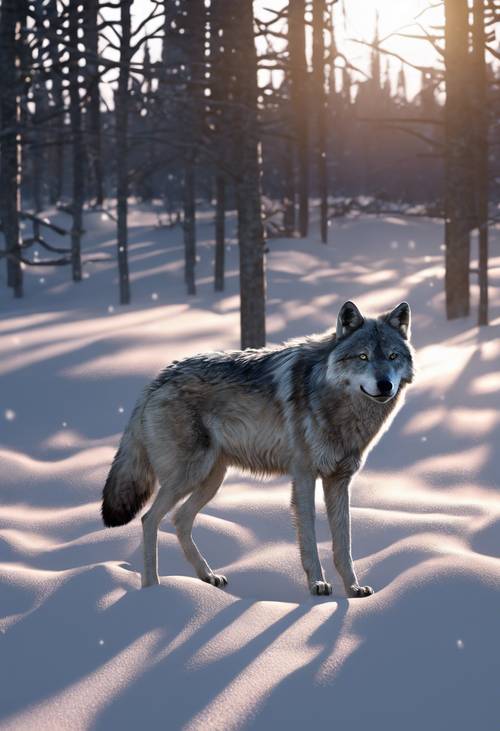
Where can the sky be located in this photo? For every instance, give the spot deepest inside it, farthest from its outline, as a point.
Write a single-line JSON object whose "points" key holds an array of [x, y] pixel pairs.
{"points": [[355, 19]]}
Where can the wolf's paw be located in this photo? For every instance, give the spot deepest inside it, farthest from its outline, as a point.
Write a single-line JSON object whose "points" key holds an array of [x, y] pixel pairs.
{"points": [[216, 580], [321, 588], [359, 591]]}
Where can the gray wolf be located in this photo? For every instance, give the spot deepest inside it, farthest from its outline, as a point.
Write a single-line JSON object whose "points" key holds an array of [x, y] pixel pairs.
{"points": [[309, 408]]}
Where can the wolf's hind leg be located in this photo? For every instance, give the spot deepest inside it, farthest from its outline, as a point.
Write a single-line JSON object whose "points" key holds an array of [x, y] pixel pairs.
{"points": [[184, 519], [336, 490], [169, 494], [304, 513]]}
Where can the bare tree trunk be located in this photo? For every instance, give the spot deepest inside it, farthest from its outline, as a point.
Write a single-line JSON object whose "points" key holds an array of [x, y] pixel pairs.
{"points": [[9, 143], [220, 61], [480, 146], [289, 191], [248, 190], [457, 160], [195, 65], [299, 98], [93, 111], [189, 226], [76, 140], [121, 117], [58, 126], [220, 231], [319, 93]]}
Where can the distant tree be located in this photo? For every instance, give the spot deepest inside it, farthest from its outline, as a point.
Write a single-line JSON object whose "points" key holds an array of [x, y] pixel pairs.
{"points": [[194, 66], [93, 115], [77, 140], [457, 159], [320, 101], [221, 69], [9, 142], [57, 127], [300, 104], [480, 127], [122, 171]]}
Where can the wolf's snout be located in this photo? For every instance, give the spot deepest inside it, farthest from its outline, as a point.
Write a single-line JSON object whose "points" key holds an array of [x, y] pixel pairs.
{"points": [[384, 387]]}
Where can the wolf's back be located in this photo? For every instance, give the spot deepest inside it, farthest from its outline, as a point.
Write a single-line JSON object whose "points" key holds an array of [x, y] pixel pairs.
{"points": [[131, 479]]}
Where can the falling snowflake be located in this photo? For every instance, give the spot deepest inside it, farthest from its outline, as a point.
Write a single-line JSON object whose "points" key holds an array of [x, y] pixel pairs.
{"points": [[111, 309], [423, 439], [427, 259], [411, 244], [42, 280], [101, 642], [121, 409], [460, 644], [64, 424], [394, 244], [154, 296], [10, 414]]}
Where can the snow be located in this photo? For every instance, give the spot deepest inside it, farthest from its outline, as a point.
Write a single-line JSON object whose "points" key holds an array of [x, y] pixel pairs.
{"points": [[81, 647]]}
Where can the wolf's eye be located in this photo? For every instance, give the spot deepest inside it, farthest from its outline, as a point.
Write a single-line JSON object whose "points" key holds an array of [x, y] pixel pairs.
{"points": [[393, 356], [363, 356]]}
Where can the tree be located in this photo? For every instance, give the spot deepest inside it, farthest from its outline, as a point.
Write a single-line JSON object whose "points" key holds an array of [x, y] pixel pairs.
{"points": [[457, 160], [319, 94], [219, 105], [193, 46], [247, 167], [57, 105], [75, 114], [121, 117], [93, 116], [299, 100], [10, 142], [480, 146]]}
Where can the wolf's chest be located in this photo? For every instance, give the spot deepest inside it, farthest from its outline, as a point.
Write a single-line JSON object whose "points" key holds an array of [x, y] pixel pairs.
{"points": [[331, 440]]}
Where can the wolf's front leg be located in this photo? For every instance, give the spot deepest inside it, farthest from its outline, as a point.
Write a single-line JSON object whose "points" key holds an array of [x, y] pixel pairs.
{"points": [[303, 486], [336, 489]]}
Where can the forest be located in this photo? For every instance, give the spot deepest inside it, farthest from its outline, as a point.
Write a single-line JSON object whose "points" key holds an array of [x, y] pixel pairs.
{"points": [[88, 117]]}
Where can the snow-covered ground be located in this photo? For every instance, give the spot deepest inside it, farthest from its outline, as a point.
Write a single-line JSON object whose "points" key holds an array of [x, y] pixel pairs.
{"points": [[82, 647]]}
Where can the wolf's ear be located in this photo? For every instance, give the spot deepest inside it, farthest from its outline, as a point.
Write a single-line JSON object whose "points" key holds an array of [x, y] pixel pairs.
{"points": [[400, 318], [349, 319]]}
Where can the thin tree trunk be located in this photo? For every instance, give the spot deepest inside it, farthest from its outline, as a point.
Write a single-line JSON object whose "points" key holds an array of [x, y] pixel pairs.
{"points": [[9, 143], [299, 98], [289, 191], [220, 112], [57, 147], [248, 190], [457, 160], [76, 141], [189, 226], [480, 131], [94, 111], [319, 10], [121, 116], [195, 66], [220, 231]]}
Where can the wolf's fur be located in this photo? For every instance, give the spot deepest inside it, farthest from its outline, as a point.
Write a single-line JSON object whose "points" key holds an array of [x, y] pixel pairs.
{"points": [[309, 408]]}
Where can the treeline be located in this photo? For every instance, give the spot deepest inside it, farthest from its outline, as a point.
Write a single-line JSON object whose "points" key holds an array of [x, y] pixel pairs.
{"points": [[195, 124]]}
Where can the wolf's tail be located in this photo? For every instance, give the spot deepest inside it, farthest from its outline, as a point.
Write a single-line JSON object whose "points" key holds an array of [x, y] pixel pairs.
{"points": [[131, 479]]}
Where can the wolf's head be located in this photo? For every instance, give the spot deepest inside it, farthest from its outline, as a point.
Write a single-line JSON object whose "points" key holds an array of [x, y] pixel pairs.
{"points": [[372, 357]]}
